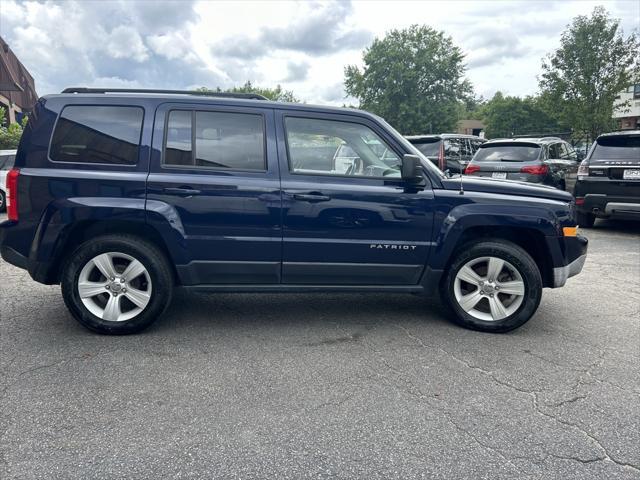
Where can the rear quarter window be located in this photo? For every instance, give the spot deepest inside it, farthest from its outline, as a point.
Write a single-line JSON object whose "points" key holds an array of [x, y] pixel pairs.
{"points": [[97, 134]]}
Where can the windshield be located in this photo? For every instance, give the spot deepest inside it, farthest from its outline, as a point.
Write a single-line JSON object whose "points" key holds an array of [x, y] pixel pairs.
{"points": [[507, 153], [429, 149], [617, 148]]}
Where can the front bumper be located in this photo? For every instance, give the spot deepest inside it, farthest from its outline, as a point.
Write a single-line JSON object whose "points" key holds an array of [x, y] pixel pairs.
{"points": [[561, 274], [575, 255]]}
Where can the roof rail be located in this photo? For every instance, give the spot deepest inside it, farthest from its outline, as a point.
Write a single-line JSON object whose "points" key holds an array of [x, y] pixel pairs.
{"points": [[248, 96]]}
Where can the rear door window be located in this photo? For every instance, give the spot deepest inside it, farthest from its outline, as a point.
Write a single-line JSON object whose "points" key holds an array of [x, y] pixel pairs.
{"points": [[97, 134], [219, 140], [555, 151]]}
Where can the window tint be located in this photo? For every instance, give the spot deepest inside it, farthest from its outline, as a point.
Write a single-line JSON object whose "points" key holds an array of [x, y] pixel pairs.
{"points": [[475, 145], [452, 147], [222, 140], [617, 148], [507, 153], [178, 147], [6, 162], [467, 151], [429, 149], [97, 134], [338, 148], [555, 151]]}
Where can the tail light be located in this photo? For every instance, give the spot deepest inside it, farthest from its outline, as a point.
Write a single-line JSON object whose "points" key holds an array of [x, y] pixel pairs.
{"points": [[535, 169], [471, 169], [441, 164], [12, 194], [583, 169]]}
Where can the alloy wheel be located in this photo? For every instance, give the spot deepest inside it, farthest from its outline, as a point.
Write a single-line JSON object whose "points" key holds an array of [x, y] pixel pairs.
{"points": [[114, 286], [489, 288]]}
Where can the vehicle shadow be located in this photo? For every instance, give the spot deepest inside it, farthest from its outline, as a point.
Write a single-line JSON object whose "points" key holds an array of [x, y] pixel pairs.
{"points": [[617, 226], [218, 311]]}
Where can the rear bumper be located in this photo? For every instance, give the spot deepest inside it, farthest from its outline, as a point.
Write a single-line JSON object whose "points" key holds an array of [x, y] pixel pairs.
{"points": [[611, 207], [575, 255]]}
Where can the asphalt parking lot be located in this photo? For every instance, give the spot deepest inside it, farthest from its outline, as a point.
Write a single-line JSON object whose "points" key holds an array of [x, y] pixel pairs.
{"points": [[319, 386]]}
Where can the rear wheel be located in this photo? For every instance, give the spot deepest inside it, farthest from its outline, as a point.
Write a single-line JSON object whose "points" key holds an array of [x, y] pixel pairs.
{"points": [[3, 201], [492, 286], [586, 220], [116, 284]]}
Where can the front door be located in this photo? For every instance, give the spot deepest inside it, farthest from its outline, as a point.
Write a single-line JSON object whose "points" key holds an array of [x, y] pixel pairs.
{"points": [[348, 219], [217, 171]]}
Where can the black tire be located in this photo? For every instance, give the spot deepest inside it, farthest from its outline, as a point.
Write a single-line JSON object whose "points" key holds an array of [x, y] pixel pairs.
{"points": [[519, 259], [585, 219], [3, 201], [151, 258]]}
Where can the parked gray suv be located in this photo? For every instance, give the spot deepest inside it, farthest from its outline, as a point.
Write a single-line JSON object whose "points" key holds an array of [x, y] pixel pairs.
{"points": [[548, 160]]}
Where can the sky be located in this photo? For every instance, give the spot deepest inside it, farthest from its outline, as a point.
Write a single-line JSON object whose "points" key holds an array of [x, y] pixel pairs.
{"points": [[303, 46]]}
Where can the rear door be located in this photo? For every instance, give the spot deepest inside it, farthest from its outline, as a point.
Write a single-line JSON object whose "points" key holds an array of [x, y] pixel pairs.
{"points": [[353, 225], [215, 169]]}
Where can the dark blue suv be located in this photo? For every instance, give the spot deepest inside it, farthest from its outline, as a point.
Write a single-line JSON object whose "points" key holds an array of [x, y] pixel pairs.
{"points": [[121, 195]]}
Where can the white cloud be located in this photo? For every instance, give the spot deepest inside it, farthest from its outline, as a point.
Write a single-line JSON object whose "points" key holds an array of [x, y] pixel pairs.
{"points": [[302, 45], [125, 42]]}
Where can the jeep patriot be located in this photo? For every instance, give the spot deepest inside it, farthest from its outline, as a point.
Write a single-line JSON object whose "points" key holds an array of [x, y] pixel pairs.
{"points": [[121, 195]]}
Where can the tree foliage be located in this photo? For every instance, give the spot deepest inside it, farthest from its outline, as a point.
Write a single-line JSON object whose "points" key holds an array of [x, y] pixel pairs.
{"points": [[506, 116], [414, 78], [10, 135], [594, 63], [277, 94]]}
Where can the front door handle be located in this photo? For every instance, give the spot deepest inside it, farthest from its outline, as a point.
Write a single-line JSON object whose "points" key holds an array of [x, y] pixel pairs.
{"points": [[312, 197], [181, 191]]}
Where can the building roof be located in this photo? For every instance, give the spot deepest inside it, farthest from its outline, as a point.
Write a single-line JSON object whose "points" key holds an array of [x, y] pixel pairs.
{"points": [[16, 83]]}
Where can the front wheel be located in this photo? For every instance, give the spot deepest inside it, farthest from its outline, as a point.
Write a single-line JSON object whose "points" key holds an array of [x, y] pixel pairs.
{"points": [[492, 286], [116, 284]]}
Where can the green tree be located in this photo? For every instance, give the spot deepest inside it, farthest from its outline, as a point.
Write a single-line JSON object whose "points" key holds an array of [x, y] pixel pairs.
{"points": [[10, 135], [277, 94], [506, 116], [414, 78], [594, 63]]}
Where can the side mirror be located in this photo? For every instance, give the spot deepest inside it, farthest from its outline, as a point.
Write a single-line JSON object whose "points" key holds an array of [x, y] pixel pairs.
{"points": [[411, 168]]}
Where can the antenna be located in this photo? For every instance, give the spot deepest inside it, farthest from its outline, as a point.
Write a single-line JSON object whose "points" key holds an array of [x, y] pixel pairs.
{"points": [[461, 188]]}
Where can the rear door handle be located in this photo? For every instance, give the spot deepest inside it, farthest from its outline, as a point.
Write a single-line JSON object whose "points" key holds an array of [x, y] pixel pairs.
{"points": [[181, 191], [312, 197]]}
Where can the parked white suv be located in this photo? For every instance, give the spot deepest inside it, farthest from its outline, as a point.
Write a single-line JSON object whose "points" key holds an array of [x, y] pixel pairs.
{"points": [[6, 163]]}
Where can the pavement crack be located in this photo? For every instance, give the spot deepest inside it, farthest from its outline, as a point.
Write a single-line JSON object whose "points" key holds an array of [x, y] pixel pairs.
{"points": [[536, 404], [564, 402]]}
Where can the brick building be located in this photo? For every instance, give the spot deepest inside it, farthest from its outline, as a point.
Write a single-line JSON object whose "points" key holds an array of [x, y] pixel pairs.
{"points": [[17, 88]]}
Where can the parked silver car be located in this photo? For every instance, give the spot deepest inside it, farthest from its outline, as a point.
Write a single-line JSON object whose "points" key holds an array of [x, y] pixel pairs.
{"points": [[548, 160]]}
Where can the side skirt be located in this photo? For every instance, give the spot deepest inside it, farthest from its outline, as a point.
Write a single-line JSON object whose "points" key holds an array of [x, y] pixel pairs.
{"points": [[283, 288]]}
